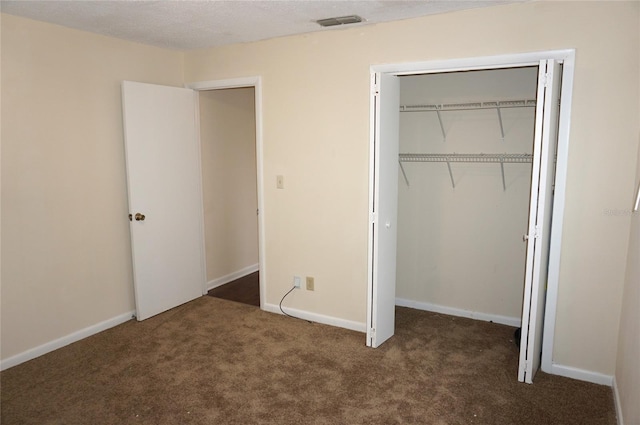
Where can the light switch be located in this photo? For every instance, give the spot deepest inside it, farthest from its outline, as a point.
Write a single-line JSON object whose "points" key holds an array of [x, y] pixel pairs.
{"points": [[280, 182]]}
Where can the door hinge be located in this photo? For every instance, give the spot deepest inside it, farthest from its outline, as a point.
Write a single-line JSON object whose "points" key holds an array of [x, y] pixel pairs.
{"points": [[372, 333], [547, 79], [373, 217], [537, 232], [375, 86]]}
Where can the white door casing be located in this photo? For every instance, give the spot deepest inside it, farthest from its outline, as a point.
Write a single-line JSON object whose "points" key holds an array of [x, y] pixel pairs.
{"points": [[383, 208], [164, 184], [256, 83], [540, 214]]}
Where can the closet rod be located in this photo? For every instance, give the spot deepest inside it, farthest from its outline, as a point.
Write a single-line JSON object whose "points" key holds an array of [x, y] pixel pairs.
{"points": [[526, 103], [503, 158]]}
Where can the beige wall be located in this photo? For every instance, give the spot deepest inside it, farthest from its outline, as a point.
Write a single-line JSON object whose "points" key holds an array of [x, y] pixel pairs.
{"points": [[316, 134], [462, 247], [66, 258], [628, 364], [228, 138]]}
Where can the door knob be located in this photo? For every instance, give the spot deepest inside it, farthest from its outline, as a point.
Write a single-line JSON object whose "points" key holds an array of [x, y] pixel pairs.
{"points": [[139, 217]]}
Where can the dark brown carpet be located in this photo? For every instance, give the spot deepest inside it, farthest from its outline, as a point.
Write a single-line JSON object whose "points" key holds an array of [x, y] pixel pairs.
{"points": [[218, 362]]}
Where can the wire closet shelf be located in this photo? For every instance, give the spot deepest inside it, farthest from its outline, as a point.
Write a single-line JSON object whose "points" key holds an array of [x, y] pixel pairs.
{"points": [[470, 106], [526, 103], [499, 158]]}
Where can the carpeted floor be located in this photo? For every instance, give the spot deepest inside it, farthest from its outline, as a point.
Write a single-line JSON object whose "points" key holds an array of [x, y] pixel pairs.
{"points": [[213, 361]]}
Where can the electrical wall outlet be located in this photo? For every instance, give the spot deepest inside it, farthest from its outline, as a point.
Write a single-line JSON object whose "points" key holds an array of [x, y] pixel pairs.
{"points": [[297, 281], [310, 283]]}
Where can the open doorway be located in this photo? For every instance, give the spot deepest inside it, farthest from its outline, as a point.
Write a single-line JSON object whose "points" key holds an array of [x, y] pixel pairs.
{"points": [[239, 103], [230, 193]]}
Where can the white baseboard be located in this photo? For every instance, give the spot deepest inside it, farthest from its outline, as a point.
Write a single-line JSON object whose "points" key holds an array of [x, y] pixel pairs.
{"points": [[65, 340], [232, 276], [616, 400], [318, 318], [503, 320], [581, 374]]}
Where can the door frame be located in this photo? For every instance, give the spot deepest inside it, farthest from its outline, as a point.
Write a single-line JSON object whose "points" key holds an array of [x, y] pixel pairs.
{"points": [[567, 57], [256, 83]]}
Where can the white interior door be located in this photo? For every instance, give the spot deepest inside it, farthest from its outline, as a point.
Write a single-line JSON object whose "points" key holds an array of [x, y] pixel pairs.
{"points": [[384, 209], [165, 197], [539, 229]]}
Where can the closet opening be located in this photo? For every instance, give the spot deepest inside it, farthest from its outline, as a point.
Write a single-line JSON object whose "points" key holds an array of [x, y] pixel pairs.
{"points": [[465, 159], [463, 177]]}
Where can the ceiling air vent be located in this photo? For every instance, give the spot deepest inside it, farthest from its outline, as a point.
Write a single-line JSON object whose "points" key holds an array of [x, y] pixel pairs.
{"points": [[342, 20]]}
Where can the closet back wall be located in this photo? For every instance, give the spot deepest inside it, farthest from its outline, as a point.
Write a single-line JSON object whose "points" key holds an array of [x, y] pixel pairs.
{"points": [[462, 247]]}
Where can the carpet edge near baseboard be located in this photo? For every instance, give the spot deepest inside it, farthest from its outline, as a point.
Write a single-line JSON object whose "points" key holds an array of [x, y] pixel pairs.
{"points": [[78, 335]]}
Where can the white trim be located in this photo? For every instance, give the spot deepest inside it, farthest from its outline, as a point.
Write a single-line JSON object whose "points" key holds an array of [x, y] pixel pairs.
{"points": [[617, 402], [476, 63], [203, 247], [232, 276], [555, 241], [232, 83], [485, 317], [318, 318], [256, 83], [581, 374], [262, 247], [50, 346]]}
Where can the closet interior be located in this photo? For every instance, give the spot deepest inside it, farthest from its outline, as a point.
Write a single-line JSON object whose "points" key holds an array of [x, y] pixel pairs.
{"points": [[466, 144]]}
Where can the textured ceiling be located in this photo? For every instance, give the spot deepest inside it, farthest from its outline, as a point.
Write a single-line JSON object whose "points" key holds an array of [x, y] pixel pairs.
{"points": [[187, 25]]}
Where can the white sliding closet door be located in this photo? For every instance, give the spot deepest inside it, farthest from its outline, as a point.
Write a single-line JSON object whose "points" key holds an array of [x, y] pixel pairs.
{"points": [[165, 196], [540, 209], [383, 209]]}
